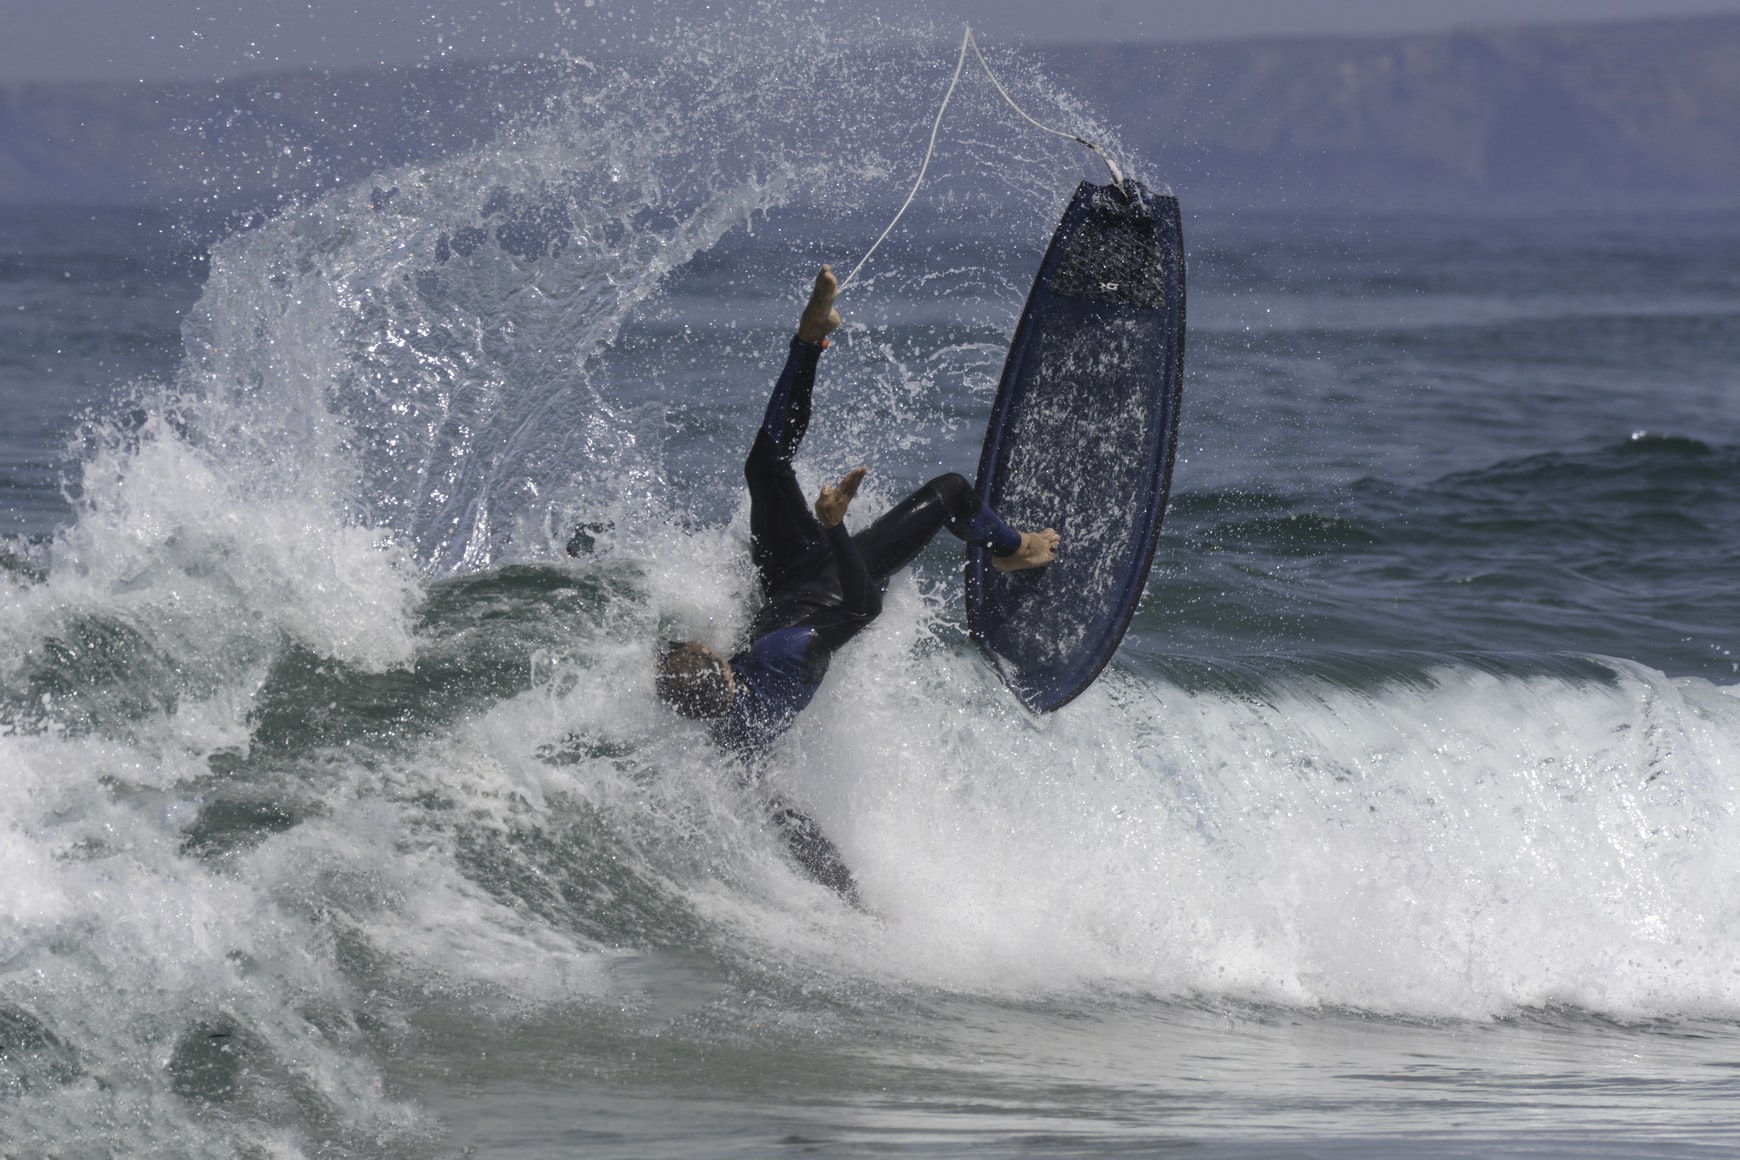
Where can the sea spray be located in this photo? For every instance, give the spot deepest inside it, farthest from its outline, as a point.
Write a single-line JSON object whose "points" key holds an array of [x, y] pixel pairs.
{"points": [[433, 339], [1456, 844], [293, 760]]}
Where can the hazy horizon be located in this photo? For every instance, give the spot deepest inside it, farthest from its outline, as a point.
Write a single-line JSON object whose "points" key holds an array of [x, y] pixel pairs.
{"points": [[194, 40]]}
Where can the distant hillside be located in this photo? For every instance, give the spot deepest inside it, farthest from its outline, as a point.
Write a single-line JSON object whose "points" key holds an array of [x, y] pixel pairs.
{"points": [[1596, 112], [248, 140], [1591, 114]]}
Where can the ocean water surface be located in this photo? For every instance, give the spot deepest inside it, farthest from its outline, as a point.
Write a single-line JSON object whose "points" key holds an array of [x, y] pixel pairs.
{"points": [[339, 817]]}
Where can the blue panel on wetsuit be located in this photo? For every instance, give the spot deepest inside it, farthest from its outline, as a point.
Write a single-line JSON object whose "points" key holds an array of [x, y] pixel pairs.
{"points": [[1082, 439]]}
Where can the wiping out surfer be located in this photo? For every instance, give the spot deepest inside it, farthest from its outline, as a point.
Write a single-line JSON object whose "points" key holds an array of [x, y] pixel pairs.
{"points": [[822, 585]]}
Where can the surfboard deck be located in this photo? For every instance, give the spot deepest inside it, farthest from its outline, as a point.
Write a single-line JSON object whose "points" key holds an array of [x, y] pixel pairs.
{"points": [[1082, 439]]}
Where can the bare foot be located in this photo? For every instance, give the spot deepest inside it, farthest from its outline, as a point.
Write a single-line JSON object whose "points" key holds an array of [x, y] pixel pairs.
{"points": [[820, 319], [831, 505], [1037, 549]]}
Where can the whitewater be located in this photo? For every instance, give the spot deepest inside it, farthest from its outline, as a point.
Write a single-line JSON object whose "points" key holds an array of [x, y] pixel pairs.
{"points": [[337, 816]]}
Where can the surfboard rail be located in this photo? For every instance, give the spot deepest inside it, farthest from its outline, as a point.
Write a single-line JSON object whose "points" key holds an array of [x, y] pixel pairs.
{"points": [[1082, 438]]}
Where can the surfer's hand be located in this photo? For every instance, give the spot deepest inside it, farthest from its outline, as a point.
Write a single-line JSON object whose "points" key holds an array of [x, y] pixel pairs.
{"points": [[831, 505], [820, 319]]}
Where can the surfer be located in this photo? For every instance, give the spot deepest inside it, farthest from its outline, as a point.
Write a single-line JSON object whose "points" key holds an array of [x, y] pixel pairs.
{"points": [[822, 585]]}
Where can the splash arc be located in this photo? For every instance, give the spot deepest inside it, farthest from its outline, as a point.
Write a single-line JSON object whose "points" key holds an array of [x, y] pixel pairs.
{"points": [[1082, 438]]}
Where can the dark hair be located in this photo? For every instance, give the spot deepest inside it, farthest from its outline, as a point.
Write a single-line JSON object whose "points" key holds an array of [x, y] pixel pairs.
{"points": [[692, 681]]}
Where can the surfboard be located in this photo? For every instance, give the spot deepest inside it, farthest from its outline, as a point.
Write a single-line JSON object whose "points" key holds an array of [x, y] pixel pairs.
{"points": [[1082, 439]]}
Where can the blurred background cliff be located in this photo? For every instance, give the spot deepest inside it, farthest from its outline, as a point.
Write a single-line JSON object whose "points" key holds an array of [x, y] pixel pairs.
{"points": [[1631, 112]]}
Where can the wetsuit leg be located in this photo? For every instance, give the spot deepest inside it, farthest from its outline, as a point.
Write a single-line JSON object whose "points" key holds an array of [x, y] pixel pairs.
{"points": [[784, 534], [948, 501]]}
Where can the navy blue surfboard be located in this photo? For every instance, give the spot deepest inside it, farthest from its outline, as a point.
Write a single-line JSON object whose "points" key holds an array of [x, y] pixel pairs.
{"points": [[1082, 439]]}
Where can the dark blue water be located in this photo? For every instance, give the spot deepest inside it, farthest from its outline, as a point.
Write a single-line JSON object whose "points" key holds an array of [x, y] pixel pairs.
{"points": [[1478, 435], [340, 819], [90, 299]]}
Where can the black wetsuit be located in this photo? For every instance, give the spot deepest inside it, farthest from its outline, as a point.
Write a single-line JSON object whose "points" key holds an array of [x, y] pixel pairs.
{"points": [[822, 586]]}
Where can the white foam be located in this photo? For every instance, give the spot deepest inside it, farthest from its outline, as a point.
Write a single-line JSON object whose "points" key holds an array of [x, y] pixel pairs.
{"points": [[1464, 848]]}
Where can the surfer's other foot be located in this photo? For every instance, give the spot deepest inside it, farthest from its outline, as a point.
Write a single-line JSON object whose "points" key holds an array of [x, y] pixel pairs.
{"points": [[1037, 549], [820, 319]]}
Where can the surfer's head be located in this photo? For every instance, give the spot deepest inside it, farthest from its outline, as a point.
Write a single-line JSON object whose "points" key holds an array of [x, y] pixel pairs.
{"points": [[694, 680]]}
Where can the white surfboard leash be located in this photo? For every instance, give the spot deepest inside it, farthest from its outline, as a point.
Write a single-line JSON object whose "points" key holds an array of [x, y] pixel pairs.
{"points": [[935, 126], [1111, 166], [969, 39]]}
